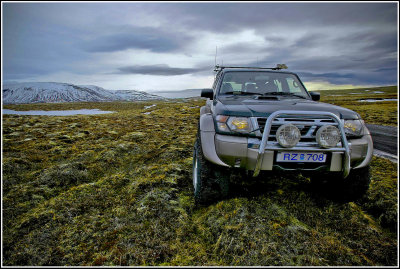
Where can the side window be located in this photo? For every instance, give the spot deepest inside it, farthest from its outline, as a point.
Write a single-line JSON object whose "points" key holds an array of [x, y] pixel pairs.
{"points": [[228, 84], [294, 86]]}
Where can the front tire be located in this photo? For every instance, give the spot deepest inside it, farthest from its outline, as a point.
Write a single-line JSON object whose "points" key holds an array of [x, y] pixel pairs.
{"points": [[210, 181]]}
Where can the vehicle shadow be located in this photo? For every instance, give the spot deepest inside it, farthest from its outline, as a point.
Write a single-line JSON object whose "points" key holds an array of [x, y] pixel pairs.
{"points": [[318, 187]]}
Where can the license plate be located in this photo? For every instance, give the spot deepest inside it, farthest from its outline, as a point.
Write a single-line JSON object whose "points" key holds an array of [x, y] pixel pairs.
{"points": [[301, 157]]}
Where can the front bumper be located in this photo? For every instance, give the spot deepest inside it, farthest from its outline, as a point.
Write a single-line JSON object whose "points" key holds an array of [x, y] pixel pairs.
{"points": [[258, 154], [242, 152]]}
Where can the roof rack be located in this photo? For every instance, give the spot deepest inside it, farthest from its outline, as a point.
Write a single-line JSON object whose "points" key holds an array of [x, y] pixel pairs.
{"points": [[278, 67]]}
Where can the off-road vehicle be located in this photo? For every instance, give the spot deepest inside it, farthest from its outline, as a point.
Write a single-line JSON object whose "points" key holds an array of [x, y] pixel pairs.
{"points": [[264, 119]]}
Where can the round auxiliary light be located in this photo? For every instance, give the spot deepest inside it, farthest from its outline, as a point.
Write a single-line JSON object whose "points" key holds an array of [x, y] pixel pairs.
{"points": [[328, 136], [288, 135]]}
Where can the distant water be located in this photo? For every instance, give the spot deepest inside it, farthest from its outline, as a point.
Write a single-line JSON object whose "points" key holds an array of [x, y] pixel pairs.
{"points": [[377, 100], [57, 112], [179, 94]]}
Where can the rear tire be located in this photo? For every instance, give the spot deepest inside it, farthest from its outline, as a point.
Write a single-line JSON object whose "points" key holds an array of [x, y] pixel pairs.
{"points": [[210, 181]]}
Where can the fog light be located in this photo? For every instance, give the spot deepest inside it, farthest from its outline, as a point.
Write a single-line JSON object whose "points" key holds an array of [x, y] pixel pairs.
{"points": [[288, 135], [328, 136]]}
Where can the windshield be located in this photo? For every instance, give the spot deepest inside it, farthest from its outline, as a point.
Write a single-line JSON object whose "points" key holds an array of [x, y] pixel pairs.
{"points": [[262, 83]]}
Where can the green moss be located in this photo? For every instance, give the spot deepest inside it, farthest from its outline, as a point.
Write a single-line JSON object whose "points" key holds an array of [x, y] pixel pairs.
{"points": [[383, 113], [382, 201], [116, 189]]}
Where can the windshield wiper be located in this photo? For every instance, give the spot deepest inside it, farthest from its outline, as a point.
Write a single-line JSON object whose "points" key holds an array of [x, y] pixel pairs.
{"points": [[284, 94]]}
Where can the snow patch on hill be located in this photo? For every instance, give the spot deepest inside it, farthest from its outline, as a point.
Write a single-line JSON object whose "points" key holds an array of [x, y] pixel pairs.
{"points": [[54, 92]]}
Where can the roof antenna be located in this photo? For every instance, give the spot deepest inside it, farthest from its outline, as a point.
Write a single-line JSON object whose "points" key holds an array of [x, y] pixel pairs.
{"points": [[215, 60]]}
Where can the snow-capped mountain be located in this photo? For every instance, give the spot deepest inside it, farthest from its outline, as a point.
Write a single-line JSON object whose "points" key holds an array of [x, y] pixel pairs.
{"points": [[53, 92], [132, 95]]}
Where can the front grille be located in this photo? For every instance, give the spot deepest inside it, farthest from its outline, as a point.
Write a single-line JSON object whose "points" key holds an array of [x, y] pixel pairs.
{"points": [[261, 124], [308, 127]]}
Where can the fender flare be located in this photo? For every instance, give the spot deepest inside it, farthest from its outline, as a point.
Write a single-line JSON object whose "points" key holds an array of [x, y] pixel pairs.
{"points": [[370, 152], [207, 136]]}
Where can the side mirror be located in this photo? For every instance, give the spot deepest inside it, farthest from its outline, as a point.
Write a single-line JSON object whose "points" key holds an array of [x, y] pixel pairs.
{"points": [[315, 96], [208, 93]]}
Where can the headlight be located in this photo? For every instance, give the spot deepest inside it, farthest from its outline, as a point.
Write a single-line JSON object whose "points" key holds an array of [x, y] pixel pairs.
{"points": [[241, 125], [288, 135], [234, 124], [328, 136], [353, 127]]}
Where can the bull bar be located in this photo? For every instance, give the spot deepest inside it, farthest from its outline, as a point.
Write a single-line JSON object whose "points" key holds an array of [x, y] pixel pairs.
{"points": [[267, 128]]}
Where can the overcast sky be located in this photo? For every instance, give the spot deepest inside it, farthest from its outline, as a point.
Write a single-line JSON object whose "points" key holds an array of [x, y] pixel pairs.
{"points": [[171, 46]]}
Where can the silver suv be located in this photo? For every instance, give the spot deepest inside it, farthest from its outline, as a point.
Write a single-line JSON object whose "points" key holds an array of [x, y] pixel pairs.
{"points": [[264, 119]]}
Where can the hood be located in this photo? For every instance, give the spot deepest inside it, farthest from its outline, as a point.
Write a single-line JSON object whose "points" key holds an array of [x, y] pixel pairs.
{"points": [[248, 107]]}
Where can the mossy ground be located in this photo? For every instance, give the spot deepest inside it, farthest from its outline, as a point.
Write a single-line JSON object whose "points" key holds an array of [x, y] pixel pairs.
{"points": [[116, 189], [381, 112]]}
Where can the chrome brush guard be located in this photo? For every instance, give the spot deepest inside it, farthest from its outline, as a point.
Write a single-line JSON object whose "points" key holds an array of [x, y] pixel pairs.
{"points": [[273, 146]]}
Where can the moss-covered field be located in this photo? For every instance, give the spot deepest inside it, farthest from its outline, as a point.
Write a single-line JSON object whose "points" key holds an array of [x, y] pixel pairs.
{"points": [[116, 189], [381, 112]]}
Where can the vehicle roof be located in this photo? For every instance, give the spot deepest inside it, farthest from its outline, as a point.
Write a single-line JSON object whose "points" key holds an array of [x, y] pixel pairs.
{"points": [[254, 70]]}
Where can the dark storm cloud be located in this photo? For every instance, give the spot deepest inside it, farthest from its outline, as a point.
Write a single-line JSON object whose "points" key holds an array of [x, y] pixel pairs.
{"points": [[150, 38], [233, 17], [37, 43], [367, 61], [360, 58], [278, 46], [377, 77], [310, 40], [359, 54], [336, 42], [381, 42], [343, 70], [367, 67], [241, 47], [34, 46], [158, 69]]}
